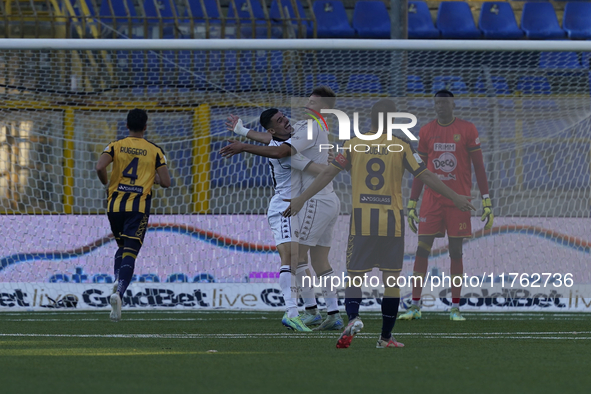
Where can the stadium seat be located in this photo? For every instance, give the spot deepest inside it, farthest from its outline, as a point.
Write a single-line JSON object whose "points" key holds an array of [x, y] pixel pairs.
{"points": [[84, 11], [576, 20], [332, 20], [497, 21], [199, 70], [243, 170], [364, 83], [454, 84], [157, 10], [371, 19], [414, 84], [499, 85], [290, 14], [420, 24], [329, 80], [195, 10], [116, 14], [244, 17], [560, 60], [533, 85], [539, 21], [455, 20]]}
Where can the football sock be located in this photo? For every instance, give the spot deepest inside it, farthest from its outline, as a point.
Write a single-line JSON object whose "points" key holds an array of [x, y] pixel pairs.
{"points": [[306, 289], [126, 270], [416, 303], [456, 270], [455, 304], [118, 259], [289, 291], [353, 298], [328, 293], [389, 313]]}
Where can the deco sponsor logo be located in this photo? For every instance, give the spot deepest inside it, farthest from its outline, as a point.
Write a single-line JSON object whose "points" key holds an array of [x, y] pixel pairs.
{"points": [[445, 162]]}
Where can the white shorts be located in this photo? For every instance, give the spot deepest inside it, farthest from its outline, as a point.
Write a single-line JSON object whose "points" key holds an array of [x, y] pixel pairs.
{"points": [[280, 226], [317, 220]]}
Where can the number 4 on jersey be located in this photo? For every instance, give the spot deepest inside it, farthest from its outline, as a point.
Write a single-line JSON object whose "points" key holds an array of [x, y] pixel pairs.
{"points": [[131, 170]]}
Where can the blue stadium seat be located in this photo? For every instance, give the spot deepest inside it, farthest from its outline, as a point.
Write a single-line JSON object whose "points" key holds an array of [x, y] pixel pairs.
{"points": [[560, 60], [332, 20], [329, 80], [576, 20], [455, 20], [414, 84], [199, 70], [364, 83], [244, 170], [497, 21], [539, 21], [571, 169], [505, 164], [244, 16], [199, 25], [275, 15], [371, 19], [499, 85], [453, 83], [420, 23], [533, 85], [160, 9], [115, 14], [153, 71]]}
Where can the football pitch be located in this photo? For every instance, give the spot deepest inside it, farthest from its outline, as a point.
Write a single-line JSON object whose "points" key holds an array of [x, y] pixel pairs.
{"points": [[250, 352]]}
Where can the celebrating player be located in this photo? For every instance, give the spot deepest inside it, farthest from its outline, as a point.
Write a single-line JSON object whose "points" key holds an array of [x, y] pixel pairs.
{"points": [[376, 233], [137, 165], [448, 145], [317, 221], [282, 158]]}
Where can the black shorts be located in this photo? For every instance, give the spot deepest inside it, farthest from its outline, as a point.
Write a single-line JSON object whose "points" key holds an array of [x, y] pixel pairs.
{"points": [[366, 252], [131, 225]]}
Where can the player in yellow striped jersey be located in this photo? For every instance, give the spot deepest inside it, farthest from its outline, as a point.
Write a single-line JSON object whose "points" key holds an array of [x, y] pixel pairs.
{"points": [[137, 165], [376, 237]]}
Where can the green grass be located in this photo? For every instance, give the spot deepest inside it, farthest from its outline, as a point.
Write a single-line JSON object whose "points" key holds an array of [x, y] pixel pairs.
{"points": [[162, 352]]}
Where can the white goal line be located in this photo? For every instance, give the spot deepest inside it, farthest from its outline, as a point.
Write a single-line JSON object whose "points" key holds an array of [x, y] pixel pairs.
{"points": [[291, 44]]}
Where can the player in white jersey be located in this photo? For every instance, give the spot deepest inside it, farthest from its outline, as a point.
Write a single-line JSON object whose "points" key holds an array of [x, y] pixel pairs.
{"points": [[284, 181], [319, 216]]}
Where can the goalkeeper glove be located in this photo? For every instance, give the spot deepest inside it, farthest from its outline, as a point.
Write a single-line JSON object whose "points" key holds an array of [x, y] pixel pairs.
{"points": [[240, 129], [487, 213], [413, 218]]}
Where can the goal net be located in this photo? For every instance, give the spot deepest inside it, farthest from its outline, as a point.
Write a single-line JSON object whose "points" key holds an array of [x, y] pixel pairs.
{"points": [[63, 101]]}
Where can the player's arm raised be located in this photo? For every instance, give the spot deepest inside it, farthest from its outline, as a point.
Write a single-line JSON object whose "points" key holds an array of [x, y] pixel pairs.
{"points": [[234, 124], [273, 152]]}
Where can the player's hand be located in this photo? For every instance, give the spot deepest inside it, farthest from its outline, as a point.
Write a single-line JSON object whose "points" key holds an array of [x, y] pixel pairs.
{"points": [[331, 156], [295, 205], [234, 148], [234, 124], [487, 213], [413, 218], [463, 204]]}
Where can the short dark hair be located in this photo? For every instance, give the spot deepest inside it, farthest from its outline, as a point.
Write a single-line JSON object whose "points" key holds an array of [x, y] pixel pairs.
{"points": [[137, 119], [328, 96], [384, 106], [265, 119], [444, 93]]}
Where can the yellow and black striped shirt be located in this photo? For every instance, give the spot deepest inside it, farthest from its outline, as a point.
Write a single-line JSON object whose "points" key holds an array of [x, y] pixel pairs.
{"points": [[135, 161], [377, 167]]}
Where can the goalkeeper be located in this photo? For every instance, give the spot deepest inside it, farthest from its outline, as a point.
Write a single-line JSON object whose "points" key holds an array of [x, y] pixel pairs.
{"points": [[449, 146]]}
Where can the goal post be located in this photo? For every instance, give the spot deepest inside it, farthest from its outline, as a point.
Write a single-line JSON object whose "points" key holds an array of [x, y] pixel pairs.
{"points": [[208, 245]]}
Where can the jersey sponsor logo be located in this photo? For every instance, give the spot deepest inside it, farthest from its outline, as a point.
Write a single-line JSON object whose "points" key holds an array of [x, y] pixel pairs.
{"points": [[448, 177], [375, 199], [445, 162], [417, 158], [342, 160], [133, 151], [130, 189], [477, 141], [457, 137], [439, 147]]}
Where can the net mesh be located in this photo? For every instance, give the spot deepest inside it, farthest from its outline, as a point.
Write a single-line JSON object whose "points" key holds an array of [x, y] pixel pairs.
{"points": [[59, 109]]}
